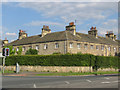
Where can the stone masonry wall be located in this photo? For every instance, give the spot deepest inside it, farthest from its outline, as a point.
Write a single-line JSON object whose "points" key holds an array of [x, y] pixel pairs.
{"points": [[51, 68]]}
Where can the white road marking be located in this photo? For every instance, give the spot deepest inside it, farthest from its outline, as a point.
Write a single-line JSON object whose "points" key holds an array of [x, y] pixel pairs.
{"points": [[105, 82], [115, 81], [107, 78], [67, 82], [88, 80], [34, 86]]}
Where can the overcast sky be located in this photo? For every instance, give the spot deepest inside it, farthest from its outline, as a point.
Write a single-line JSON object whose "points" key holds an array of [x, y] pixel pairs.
{"points": [[31, 16]]}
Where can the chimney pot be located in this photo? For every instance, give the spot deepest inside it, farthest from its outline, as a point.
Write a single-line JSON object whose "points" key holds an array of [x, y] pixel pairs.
{"points": [[5, 38], [95, 28], [71, 23], [44, 26], [47, 27]]}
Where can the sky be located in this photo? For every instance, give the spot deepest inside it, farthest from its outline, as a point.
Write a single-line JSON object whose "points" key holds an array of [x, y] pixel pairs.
{"points": [[31, 16]]}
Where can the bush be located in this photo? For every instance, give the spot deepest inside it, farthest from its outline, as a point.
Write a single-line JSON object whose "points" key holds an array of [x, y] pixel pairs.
{"points": [[56, 53], [31, 52], [64, 60]]}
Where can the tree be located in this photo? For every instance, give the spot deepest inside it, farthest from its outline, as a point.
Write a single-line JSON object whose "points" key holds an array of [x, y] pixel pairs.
{"points": [[31, 52], [19, 52]]}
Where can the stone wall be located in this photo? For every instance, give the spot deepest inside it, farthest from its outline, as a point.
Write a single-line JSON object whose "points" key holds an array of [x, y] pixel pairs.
{"points": [[51, 68], [107, 69]]}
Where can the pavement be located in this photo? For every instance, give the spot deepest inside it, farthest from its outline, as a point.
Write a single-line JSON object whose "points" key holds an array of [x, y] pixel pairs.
{"points": [[23, 73]]}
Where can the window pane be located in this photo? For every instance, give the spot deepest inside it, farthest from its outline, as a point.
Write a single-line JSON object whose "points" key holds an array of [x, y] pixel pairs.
{"points": [[71, 45], [23, 49], [78, 45], [102, 47], [45, 46], [17, 49], [37, 47], [109, 48], [91, 46], [97, 47], [56, 45], [85, 46]]}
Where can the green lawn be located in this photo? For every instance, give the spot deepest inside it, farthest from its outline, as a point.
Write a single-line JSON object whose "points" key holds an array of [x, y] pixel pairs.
{"points": [[75, 73]]}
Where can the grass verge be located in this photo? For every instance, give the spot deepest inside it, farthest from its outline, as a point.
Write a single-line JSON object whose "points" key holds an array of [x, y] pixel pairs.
{"points": [[75, 73], [7, 72]]}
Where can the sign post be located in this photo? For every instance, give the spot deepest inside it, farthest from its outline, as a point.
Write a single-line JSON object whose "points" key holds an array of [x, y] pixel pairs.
{"points": [[3, 62], [17, 68]]}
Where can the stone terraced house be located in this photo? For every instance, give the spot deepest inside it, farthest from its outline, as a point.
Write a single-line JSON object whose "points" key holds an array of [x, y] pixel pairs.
{"points": [[68, 41]]}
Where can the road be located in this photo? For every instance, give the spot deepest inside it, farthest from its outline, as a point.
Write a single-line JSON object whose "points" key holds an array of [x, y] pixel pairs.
{"points": [[108, 81]]}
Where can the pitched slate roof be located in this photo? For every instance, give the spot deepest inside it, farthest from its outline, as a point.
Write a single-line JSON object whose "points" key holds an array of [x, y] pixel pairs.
{"points": [[62, 36]]}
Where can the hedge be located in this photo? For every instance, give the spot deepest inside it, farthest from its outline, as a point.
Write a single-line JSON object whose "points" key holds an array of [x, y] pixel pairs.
{"points": [[64, 60]]}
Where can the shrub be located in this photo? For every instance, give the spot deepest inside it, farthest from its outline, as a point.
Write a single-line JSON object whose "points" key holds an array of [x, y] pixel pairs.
{"points": [[56, 53], [65, 60], [31, 52], [19, 52]]}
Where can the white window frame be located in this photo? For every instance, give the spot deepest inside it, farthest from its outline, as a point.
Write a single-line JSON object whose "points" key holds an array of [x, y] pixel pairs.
{"points": [[91, 46], [86, 46], [109, 48], [71, 44], [97, 47], [17, 49], [56, 45], [45, 46], [23, 49], [102, 48], [115, 49], [13, 49], [78, 45], [37, 47]]}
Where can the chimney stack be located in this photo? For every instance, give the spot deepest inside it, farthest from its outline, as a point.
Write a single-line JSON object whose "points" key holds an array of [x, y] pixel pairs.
{"points": [[22, 34], [71, 28], [93, 31], [45, 30], [5, 41], [110, 35]]}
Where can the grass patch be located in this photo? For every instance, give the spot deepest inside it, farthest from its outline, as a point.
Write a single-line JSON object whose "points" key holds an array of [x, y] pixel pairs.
{"points": [[7, 72], [75, 73]]}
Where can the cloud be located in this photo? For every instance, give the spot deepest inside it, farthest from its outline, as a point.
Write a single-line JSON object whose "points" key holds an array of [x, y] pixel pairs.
{"points": [[109, 25], [11, 34], [111, 22], [39, 23], [72, 11]]}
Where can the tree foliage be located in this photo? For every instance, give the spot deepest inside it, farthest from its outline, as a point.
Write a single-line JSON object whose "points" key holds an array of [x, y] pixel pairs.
{"points": [[31, 52]]}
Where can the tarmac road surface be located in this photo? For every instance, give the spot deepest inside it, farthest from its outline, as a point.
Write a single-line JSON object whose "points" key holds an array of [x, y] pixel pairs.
{"points": [[102, 81]]}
